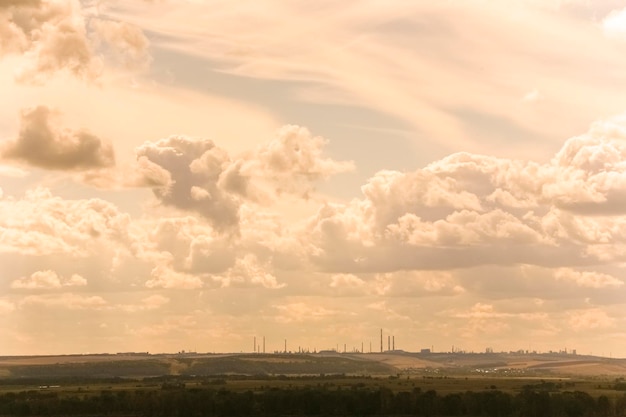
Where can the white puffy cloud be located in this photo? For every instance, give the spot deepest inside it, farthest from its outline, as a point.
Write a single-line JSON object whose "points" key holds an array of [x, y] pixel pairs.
{"points": [[248, 271], [467, 210], [48, 280], [165, 277], [347, 283], [42, 224], [65, 35], [290, 162], [42, 143]]}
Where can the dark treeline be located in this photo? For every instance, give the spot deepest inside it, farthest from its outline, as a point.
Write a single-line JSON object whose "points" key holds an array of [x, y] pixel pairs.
{"points": [[175, 400]]}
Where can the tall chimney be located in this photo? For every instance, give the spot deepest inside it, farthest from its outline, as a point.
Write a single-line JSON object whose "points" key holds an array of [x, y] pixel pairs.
{"points": [[394, 343], [381, 340], [388, 342]]}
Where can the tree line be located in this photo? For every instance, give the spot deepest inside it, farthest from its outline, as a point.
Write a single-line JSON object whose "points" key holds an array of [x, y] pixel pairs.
{"points": [[172, 401]]}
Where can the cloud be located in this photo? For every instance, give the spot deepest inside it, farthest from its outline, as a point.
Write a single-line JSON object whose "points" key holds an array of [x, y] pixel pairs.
{"points": [[165, 277], [417, 284], [125, 43], [468, 210], [192, 164], [150, 303], [302, 312], [196, 175], [590, 319], [6, 307], [248, 271], [43, 144], [48, 280], [348, 284], [65, 35], [23, 3], [41, 224], [614, 25], [588, 279], [66, 301], [53, 37], [12, 172], [290, 163]]}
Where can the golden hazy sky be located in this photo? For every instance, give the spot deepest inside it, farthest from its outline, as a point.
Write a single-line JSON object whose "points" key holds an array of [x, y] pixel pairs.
{"points": [[189, 174]]}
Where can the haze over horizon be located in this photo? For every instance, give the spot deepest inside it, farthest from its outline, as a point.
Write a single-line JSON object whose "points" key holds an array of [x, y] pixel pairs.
{"points": [[189, 174]]}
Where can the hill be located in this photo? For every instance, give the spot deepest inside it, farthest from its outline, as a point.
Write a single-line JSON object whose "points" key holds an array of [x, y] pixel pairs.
{"points": [[329, 363]]}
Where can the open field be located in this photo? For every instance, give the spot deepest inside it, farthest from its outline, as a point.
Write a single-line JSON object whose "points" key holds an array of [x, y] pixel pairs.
{"points": [[376, 364], [391, 383]]}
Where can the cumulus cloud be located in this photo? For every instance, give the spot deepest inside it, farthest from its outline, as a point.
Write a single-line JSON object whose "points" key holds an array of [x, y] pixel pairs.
{"points": [[195, 174], [42, 143], [165, 277], [248, 271], [52, 35], [467, 210], [290, 162], [63, 35], [42, 224], [124, 42], [348, 284], [192, 168], [48, 280]]}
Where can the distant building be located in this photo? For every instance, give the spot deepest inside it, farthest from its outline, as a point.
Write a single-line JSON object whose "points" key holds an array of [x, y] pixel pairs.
{"points": [[425, 351]]}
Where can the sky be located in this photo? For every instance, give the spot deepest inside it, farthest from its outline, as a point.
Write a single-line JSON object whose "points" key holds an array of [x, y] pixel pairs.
{"points": [[192, 174]]}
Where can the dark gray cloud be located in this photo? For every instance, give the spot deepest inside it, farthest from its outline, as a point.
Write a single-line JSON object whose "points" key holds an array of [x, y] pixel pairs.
{"points": [[194, 167], [42, 144]]}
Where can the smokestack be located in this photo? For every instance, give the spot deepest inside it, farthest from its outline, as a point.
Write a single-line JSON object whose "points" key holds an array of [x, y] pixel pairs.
{"points": [[285, 345], [254, 349], [263, 344], [394, 343], [381, 340], [388, 342]]}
